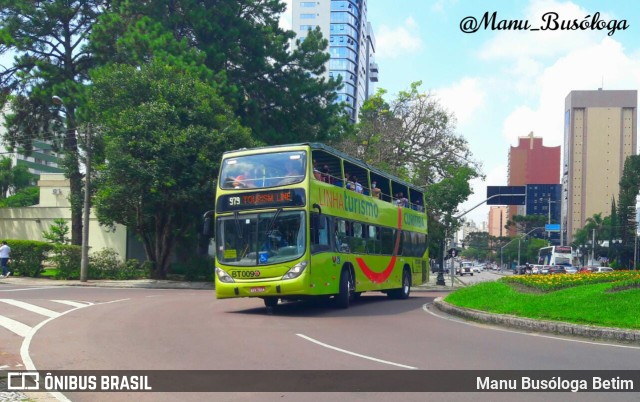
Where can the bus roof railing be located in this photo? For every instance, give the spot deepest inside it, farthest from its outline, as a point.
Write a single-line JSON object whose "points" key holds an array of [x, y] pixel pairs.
{"points": [[340, 154]]}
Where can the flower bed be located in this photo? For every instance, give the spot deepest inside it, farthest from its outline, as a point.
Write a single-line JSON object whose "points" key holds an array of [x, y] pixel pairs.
{"points": [[562, 281]]}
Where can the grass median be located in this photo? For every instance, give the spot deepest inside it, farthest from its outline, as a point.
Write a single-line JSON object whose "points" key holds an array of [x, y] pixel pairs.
{"points": [[608, 300]]}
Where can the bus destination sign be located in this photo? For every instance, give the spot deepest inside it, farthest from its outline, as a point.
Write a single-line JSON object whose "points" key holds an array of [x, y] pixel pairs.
{"points": [[261, 199]]}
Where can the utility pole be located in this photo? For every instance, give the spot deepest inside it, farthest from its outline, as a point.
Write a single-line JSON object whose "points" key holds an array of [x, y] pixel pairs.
{"points": [[593, 245], [84, 259]]}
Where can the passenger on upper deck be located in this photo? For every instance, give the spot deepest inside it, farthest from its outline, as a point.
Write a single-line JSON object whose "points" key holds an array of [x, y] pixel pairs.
{"points": [[316, 172], [357, 186], [375, 191]]}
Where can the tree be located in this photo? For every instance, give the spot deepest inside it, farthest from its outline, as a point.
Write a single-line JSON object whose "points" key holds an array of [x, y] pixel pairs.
{"points": [[526, 223], [629, 189], [413, 137], [278, 92], [164, 138], [13, 178], [51, 58], [58, 233], [22, 198]]}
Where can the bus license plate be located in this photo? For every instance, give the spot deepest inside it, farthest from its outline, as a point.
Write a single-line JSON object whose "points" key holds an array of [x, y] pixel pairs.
{"points": [[258, 289]]}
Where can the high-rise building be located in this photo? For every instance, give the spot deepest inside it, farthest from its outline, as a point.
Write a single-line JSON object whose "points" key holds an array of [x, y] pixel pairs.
{"points": [[600, 132], [532, 163], [351, 45], [544, 200], [42, 159], [497, 220]]}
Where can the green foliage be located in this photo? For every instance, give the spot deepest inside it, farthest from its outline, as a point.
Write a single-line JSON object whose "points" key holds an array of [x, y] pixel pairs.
{"points": [[105, 264], [196, 268], [48, 41], [165, 137], [66, 259], [275, 91], [28, 256], [25, 197], [13, 178], [58, 232], [629, 190]]}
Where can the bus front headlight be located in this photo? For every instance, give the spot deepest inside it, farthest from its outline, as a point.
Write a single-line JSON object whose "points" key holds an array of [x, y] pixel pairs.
{"points": [[223, 276], [296, 270]]}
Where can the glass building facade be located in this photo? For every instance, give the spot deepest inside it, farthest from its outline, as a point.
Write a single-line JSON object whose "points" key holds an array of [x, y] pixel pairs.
{"points": [[351, 45]]}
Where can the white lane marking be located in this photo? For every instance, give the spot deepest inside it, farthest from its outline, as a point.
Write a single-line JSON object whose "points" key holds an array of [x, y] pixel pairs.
{"points": [[425, 307], [113, 301], [24, 349], [38, 288], [72, 303], [355, 354], [31, 307], [14, 326]]}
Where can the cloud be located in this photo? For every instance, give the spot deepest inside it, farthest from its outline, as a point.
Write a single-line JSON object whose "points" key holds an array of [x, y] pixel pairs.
{"points": [[398, 41], [587, 68], [440, 6], [517, 45], [285, 21], [463, 98]]}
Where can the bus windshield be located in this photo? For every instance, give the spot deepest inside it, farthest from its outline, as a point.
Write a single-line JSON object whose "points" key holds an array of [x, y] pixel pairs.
{"points": [[263, 170], [260, 239]]}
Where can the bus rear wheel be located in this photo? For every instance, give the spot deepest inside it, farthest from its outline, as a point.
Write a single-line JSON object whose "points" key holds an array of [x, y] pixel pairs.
{"points": [[404, 291]]}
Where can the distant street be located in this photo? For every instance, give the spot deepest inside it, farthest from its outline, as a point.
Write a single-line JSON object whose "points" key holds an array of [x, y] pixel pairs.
{"points": [[146, 329]]}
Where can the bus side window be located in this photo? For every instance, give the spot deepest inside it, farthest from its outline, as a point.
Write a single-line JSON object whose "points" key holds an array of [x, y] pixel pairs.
{"points": [[319, 233]]}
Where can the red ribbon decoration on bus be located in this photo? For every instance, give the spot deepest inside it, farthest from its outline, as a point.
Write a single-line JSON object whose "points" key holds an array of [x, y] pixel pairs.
{"points": [[379, 277]]}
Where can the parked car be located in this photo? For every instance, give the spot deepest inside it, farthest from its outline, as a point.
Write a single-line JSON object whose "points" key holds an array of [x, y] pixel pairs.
{"points": [[536, 269], [571, 270], [476, 268], [557, 269], [599, 270], [545, 269]]}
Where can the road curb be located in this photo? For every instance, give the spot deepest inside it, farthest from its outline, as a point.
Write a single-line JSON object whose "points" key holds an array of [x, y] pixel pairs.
{"points": [[552, 327]]}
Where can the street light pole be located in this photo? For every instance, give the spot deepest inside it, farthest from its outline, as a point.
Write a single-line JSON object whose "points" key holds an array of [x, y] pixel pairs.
{"points": [[593, 245], [84, 259]]}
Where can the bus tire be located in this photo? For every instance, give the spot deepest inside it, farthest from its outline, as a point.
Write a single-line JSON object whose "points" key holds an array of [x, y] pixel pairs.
{"points": [[346, 289], [270, 301], [404, 291]]}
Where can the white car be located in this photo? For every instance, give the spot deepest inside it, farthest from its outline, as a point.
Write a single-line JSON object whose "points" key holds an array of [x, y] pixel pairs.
{"points": [[476, 269], [465, 268], [599, 270]]}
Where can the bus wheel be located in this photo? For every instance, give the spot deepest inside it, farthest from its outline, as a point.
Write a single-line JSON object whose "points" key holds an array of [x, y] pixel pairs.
{"points": [[405, 290], [346, 288], [270, 301]]}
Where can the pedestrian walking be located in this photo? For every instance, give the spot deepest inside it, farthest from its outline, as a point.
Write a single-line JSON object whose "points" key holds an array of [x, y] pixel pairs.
{"points": [[5, 254]]}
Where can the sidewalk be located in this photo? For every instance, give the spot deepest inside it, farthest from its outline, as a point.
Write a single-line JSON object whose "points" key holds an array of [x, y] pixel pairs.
{"points": [[432, 285], [108, 283]]}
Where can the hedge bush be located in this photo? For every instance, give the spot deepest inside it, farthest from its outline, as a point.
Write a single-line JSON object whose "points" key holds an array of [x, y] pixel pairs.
{"points": [[66, 259], [28, 256]]}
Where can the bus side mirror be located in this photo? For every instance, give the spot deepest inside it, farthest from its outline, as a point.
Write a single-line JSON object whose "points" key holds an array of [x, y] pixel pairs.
{"points": [[318, 208], [206, 228]]}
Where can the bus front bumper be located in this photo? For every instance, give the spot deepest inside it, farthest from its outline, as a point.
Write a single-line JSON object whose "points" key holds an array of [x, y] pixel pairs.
{"points": [[276, 287]]}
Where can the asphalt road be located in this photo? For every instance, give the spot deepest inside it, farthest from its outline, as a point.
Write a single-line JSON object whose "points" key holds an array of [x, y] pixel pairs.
{"points": [[145, 329]]}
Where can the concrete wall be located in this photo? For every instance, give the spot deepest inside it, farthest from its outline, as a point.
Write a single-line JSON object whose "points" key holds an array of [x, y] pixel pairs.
{"points": [[28, 223]]}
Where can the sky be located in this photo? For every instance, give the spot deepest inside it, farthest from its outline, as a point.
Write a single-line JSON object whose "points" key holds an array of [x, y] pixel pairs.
{"points": [[503, 84]]}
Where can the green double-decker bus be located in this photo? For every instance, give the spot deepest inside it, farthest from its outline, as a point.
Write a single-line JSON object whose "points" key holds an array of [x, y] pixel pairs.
{"points": [[306, 220]]}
